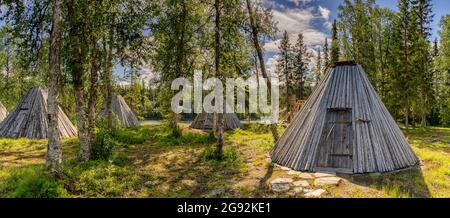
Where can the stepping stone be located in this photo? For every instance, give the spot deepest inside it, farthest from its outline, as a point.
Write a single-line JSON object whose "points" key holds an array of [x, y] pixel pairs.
{"points": [[294, 191], [324, 174], [301, 183], [327, 181], [285, 168], [305, 176], [216, 192], [280, 184], [293, 173], [315, 193]]}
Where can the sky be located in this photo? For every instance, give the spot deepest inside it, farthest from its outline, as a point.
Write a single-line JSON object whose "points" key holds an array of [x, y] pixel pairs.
{"points": [[314, 18]]}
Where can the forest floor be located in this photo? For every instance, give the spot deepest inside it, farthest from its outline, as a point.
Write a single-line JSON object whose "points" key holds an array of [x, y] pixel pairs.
{"points": [[148, 162]]}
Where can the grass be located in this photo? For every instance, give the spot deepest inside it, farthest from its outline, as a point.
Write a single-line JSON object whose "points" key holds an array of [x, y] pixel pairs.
{"points": [[148, 162]]}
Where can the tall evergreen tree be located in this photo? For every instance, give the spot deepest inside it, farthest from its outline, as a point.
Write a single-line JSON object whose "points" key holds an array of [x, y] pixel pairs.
{"points": [[326, 56], [334, 44], [301, 62], [318, 68], [284, 67]]}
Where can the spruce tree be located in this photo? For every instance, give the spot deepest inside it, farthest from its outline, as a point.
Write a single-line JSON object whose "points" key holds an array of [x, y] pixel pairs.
{"points": [[334, 44]]}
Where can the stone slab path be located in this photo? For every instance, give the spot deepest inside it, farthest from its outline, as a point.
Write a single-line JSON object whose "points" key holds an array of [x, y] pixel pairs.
{"points": [[303, 183]]}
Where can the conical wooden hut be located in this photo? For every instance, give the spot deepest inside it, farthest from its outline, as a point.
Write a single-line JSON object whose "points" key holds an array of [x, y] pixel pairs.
{"points": [[29, 118], [205, 121], [3, 112], [344, 127], [123, 112]]}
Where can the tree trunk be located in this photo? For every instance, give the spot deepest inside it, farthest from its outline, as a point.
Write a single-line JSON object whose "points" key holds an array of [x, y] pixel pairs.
{"points": [[273, 126], [107, 74], [93, 93], [54, 152], [219, 116], [407, 119], [76, 67]]}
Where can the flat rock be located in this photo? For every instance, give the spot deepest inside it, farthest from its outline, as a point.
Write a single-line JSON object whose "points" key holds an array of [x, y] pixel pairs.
{"points": [[327, 181], [301, 183], [324, 174], [280, 184], [285, 168], [294, 191], [216, 192], [305, 176], [314, 193], [293, 173]]}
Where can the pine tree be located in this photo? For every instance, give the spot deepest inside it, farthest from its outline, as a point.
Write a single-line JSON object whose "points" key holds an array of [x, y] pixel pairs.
{"points": [[422, 16], [319, 66], [334, 44], [326, 57], [301, 61], [284, 67]]}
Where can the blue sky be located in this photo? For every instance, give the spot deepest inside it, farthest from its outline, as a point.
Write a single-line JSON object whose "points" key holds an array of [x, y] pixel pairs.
{"points": [[313, 18]]}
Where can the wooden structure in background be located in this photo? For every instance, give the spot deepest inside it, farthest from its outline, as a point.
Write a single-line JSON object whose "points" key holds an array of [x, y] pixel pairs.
{"points": [[29, 118], [122, 111], [344, 127], [3, 112], [205, 121]]}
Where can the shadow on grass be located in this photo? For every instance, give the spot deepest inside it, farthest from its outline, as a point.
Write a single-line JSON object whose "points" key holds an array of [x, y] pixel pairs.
{"points": [[404, 183]]}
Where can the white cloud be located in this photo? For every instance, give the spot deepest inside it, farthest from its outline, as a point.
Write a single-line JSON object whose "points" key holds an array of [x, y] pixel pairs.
{"points": [[325, 12], [311, 21], [296, 21]]}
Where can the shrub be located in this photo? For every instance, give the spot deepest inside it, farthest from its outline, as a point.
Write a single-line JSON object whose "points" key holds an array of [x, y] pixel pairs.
{"points": [[229, 158], [33, 182], [104, 143], [103, 179]]}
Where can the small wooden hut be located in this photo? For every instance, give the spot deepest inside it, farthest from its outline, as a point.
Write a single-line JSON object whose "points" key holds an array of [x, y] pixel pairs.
{"points": [[205, 121], [3, 112], [344, 127], [29, 118], [122, 111]]}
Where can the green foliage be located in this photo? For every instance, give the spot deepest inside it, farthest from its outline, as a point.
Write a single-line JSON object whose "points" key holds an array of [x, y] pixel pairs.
{"points": [[188, 138], [31, 182], [230, 157], [109, 137], [103, 179], [104, 143]]}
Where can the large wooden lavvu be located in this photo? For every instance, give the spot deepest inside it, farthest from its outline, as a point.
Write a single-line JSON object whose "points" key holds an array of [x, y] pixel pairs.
{"points": [[122, 112], [29, 118], [3, 112], [344, 127]]}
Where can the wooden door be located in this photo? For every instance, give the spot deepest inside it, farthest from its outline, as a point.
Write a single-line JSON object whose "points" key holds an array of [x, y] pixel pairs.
{"points": [[335, 146]]}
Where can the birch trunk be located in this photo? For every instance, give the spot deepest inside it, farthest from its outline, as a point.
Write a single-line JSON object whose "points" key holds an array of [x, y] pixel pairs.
{"points": [[54, 152], [273, 126], [93, 93], [78, 52], [219, 116], [107, 78]]}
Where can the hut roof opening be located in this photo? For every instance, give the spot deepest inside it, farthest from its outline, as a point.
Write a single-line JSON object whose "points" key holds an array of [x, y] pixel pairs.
{"points": [[29, 118], [344, 127], [123, 112]]}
